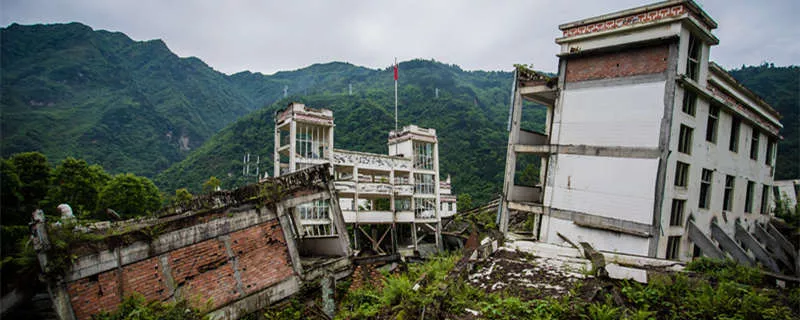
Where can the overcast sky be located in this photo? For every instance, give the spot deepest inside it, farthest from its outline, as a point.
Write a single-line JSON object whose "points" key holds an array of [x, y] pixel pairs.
{"points": [[269, 36]]}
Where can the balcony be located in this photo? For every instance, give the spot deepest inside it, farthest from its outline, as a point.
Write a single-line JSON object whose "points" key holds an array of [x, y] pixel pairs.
{"points": [[404, 190], [345, 186], [375, 188]]}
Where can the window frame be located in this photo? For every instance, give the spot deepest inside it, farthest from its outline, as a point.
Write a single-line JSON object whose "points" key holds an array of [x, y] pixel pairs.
{"points": [[733, 144], [712, 123], [727, 197], [706, 181], [677, 212], [685, 139], [681, 174]]}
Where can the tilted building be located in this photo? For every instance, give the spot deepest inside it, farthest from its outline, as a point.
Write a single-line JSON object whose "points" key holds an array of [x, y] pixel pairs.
{"points": [[392, 203], [649, 149]]}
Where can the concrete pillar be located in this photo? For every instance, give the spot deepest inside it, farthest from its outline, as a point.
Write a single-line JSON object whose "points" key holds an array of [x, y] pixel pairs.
{"points": [[292, 145], [511, 160]]}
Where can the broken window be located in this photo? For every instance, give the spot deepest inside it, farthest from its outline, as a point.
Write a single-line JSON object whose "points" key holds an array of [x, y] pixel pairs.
{"points": [[764, 199], [734, 143], [681, 174], [311, 142], [754, 144], [676, 214], [727, 200], [748, 199], [689, 102], [673, 247], [705, 188], [770, 152], [711, 127], [315, 219], [424, 183], [685, 140], [424, 208], [423, 155], [693, 58]]}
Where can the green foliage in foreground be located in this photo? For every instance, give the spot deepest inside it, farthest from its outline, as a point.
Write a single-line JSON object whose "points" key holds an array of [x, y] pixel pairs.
{"points": [[398, 297], [715, 290], [136, 308]]}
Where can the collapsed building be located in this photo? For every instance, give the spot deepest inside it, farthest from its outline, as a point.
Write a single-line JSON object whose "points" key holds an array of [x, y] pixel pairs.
{"points": [[393, 203], [649, 148]]}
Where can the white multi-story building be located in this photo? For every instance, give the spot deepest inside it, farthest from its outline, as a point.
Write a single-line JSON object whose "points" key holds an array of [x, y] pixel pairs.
{"points": [[649, 149], [391, 202]]}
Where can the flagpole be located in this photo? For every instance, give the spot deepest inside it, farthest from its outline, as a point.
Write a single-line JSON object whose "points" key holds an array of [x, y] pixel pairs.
{"points": [[395, 94]]}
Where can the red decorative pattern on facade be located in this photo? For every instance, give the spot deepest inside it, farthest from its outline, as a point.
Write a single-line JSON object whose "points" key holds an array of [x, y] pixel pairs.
{"points": [[611, 24], [743, 110]]}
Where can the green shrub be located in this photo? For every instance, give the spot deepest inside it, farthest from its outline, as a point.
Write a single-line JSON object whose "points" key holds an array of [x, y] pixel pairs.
{"points": [[136, 308]]}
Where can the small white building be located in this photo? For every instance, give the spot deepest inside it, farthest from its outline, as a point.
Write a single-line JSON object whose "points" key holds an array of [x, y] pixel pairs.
{"points": [[649, 148], [392, 202]]}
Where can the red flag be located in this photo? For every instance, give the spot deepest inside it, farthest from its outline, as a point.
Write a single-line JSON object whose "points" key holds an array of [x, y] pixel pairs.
{"points": [[395, 71]]}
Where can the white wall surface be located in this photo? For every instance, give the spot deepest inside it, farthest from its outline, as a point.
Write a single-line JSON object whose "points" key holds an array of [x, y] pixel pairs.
{"points": [[621, 188], [620, 115], [599, 239]]}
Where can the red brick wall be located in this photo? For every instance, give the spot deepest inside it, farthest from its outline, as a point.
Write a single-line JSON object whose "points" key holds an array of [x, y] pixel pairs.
{"points": [[204, 271], [94, 294], [630, 62], [201, 271], [260, 258], [145, 277]]}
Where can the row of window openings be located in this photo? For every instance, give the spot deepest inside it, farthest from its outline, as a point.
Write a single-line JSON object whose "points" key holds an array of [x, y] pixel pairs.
{"points": [[686, 133], [679, 205]]}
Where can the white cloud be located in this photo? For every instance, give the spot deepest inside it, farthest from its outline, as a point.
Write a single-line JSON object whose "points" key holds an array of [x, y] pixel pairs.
{"points": [[269, 36]]}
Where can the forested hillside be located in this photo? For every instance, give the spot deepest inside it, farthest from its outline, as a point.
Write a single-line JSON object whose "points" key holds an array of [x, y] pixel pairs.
{"points": [[130, 106], [469, 115], [780, 87], [68, 90]]}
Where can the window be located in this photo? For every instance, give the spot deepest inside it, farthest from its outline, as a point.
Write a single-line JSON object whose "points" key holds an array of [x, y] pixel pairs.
{"points": [[403, 204], [681, 174], [685, 140], [770, 152], [727, 200], [315, 219], [676, 215], [423, 183], [693, 59], [711, 127], [673, 247], [312, 142], [423, 155], [754, 144], [764, 199], [748, 199], [734, 143], [705, 188], [424, 208], [689, 102]]}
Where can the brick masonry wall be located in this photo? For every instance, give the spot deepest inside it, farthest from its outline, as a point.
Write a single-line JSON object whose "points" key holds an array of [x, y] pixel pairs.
{"points": [[207, 270], [630, 62], [261, 262]]}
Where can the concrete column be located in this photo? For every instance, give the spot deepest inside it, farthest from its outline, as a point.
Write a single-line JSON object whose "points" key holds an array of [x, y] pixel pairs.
{"points": [[292, 145], [511, 160], [276, 158]]}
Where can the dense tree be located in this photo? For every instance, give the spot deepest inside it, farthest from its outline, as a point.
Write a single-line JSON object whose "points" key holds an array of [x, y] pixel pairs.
{"points": [[211, 184], [182, 195], [78, 184], [10, 185], [464, 202], [130, 196], [34, 175]]}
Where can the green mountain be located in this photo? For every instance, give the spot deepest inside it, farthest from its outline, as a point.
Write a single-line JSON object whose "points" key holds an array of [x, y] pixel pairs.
{"points": [[469, 115], [68, 90], [780, 87]]}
